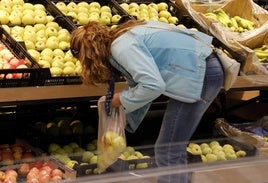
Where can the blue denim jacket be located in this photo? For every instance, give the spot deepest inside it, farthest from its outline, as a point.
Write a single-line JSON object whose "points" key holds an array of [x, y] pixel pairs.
{"points": [[157, 61]]}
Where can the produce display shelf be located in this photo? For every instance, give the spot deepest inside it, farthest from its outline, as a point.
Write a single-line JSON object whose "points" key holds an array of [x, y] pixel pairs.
{"points": [[30, 75]]}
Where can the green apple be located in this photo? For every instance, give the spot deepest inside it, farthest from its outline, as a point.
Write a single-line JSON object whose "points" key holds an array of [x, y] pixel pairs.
{"points": [[4, 17], [53, 24], [68, 70], [44, 63], [47, 52], [18, 2], [17, 13], [82, 18], [72, 7], [72, 163], [52, 42], [93, 9], [41, 37], [173, 20], [138, 154], [51, 31], [6, 7], [195, 149], [28, 11], [83, 4], [67, 148], [73, 145], [39, 26], [39, 7], [73, 15], [105, 8], [115, 18], [162, 6], [58, 52], [119, 143], [34, 53], [64, 45], [91, 147], [211, 158], [95, 4], [94, 18], [69, 63], [17, 7], [28, 19], [28, 6], [227, 146], [142, 165], [230, 155], [86, 156], [29, 44], [130, 149], [93, 159], [181, 26], [214, 142], [53, 147], [82, 9], [14, 19], [50, 18], [153, 6], [206, 150], [105, 13], [40, 19], [29, 35], [133, 5], [47, 58], [61, 6], [241, 153], [64, 35], [125, 6], [105, 20], [7, 28], [164, 13], [221, 156], [108, 137], [40, 45], [163, 19], [58, 62]]}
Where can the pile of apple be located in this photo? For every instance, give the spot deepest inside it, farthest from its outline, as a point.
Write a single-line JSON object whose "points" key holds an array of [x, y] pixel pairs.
{"points": [[12, 154], [46, 41], [17, 12], [83, 12], [9, 61], [152, 11], [214, 151]]}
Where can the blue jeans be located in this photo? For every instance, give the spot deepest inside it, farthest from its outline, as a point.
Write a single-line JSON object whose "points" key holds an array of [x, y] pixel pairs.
{"points": [[181, 120]]}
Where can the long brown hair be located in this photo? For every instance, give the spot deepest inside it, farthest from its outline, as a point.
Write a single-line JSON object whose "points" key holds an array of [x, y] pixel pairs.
{"points": [[92, 42]]}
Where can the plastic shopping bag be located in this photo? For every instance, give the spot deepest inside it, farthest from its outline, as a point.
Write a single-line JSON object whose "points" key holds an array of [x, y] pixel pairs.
{"points": [[111, 135]]}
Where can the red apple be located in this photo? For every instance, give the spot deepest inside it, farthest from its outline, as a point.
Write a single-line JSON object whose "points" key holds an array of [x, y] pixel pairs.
{"points": [[56, 178], [57, 172], [44, 179], [24, 169], [11, 172], [36, 164], [32, 180]]}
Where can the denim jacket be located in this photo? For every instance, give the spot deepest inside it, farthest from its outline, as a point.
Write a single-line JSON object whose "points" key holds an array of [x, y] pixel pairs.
{"points": [[155, 62]]}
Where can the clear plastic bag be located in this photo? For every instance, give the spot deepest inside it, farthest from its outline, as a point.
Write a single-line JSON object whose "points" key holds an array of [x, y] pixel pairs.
{"points": [[111, 135]]}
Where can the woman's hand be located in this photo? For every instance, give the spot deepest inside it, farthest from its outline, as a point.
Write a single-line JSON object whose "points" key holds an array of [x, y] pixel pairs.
{"points": [[116, 100]]}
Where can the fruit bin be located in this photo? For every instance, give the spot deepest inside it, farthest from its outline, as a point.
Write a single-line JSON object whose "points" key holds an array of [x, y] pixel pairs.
{"points": [[139, 10], [26, 76], [68, 9], [65, 23], [230, 38]]}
